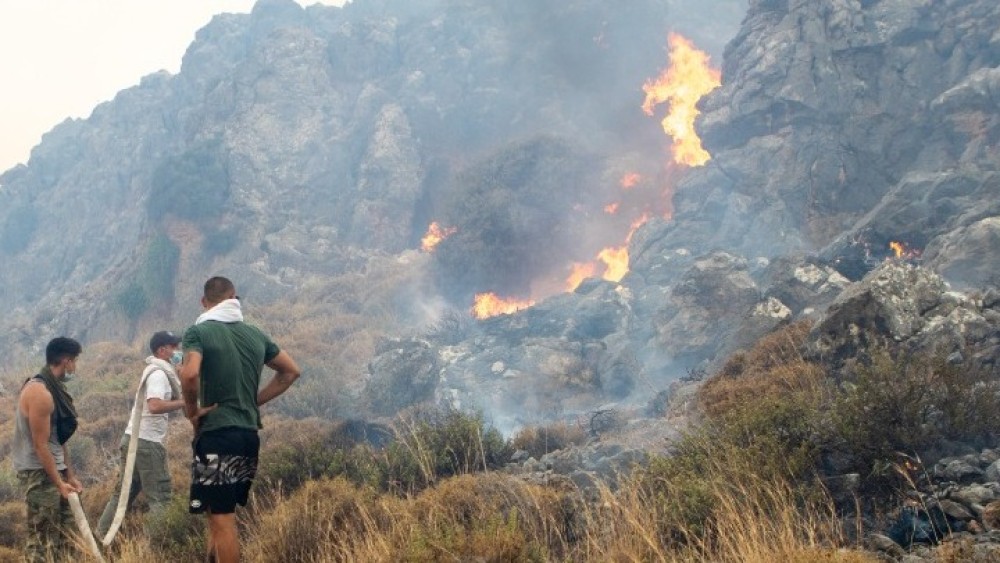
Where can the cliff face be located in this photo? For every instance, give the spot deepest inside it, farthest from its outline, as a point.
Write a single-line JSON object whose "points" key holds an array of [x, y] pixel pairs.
{"points": [[843, 126], [295, 140]]}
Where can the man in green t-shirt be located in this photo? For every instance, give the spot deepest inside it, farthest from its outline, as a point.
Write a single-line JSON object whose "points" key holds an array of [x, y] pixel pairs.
{"points": [[220, 382]]}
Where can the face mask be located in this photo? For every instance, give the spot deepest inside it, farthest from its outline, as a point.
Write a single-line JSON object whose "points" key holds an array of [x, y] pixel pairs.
{"points": [[69, 375], [177, 357]]}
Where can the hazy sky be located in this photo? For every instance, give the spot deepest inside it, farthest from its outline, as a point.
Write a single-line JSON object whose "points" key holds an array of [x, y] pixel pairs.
{"points": [[60, 58]]}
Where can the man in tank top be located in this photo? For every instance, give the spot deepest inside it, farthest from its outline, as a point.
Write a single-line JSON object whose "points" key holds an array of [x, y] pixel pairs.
{"points": [[45, 420]]}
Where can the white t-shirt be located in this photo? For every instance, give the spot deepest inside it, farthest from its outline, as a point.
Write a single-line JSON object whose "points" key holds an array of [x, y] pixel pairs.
{"points": [[153, 427]]}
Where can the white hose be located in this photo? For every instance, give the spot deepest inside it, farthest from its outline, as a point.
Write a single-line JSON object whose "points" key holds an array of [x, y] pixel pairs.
{"points": [[84, 526], [133, 446]]}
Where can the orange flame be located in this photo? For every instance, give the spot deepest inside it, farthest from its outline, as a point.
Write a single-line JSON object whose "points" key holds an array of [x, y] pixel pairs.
{"points": [[630, 180], [611, 208], [902, 251], [435, 234], [580, 271], [488, 305], [635, 226], [615, 261], [688, 78], [898, 248]]}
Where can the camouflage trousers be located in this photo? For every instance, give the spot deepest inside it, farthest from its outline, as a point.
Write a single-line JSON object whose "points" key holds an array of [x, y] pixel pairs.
{"points": [[50, 519]]}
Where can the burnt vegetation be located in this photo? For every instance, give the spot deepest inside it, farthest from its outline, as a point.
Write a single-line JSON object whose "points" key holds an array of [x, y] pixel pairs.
{"points": [[513, 218]]}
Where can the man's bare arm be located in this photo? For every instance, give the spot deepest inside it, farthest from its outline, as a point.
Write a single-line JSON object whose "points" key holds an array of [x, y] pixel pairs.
{"points": [[286, 372], [37, 405], [191, 382], [70, 474], [162, 406]]}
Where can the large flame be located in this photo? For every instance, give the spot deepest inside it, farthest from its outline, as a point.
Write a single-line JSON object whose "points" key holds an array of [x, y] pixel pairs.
{"points": [[615, 262], [686, 80], [579, 272], [488, 305], [435, 234]]}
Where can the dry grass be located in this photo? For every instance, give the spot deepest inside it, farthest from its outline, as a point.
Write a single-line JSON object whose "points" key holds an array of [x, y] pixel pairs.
{"points": [[774, 367], [497, 517], [540, 440]]}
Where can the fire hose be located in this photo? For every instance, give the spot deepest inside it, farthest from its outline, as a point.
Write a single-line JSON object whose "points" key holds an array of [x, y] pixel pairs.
{"points": [[84, 526], [133, 446]]}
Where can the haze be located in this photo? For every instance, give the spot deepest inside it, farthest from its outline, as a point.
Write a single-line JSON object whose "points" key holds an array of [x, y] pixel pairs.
{"points": [[60, 58]]}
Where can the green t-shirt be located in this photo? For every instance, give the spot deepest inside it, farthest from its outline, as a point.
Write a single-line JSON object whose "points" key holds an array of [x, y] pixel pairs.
{"points": [[232, 358]]}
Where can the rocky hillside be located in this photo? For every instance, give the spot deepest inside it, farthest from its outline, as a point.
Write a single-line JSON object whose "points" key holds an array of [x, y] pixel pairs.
{"points": [[844, 135], [296, 143], [297, 146], [844, 126]]}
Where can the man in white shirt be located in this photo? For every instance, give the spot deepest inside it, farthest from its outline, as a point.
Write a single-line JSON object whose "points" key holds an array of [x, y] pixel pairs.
{"points": [[162, 396]]}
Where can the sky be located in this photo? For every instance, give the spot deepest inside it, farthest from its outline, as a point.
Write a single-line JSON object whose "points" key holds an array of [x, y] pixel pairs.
{"points": [[61, 58]]}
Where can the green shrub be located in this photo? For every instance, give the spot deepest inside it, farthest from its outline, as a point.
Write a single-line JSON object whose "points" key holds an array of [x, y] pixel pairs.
{"points": [[435, 443], [12, 521], [159, 267], [193, 185], [218, 242], [9, 488], [909, 404], [687, 489], [424, 447], [153, 282], [132, 301]]}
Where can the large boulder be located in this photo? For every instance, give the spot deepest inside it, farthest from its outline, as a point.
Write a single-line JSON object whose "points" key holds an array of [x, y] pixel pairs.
{"points": [[702, 313], [900, 306], [402, 373]]}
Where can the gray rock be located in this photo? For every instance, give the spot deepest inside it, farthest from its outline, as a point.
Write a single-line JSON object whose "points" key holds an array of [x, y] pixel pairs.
{"points": [[974, 494], [957, 470], [955, 510], [884, 544], [403, 373], [992, 473]]}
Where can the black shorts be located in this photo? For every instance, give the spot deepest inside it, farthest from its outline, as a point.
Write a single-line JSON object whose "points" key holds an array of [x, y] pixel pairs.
{"points": [[223, 468]]}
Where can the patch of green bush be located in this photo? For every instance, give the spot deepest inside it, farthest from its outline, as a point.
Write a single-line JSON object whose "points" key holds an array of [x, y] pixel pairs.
{"points": [[12, 526], [132, 300], [435, 443], [9, 488], [218, 242], [795, 421], [424, 447], [912, 405], [192, 185], [175, 531], [153, 281]]}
